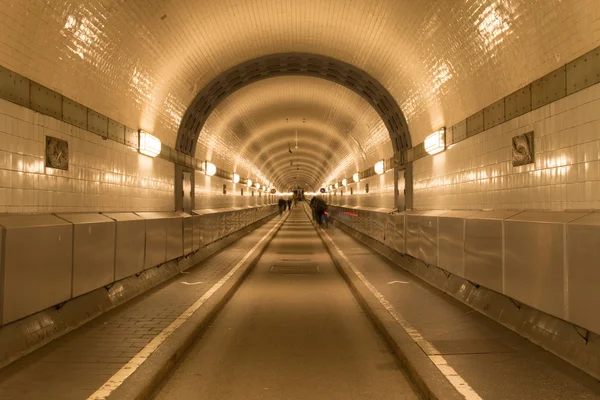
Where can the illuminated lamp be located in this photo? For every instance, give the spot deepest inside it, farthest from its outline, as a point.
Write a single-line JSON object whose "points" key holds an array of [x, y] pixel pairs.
{"points": [[149, 145], [355, 177], [336, 185], [236, 178], [249, 182], [344, 182], [264, 188], [379, 168], [257, 185], [436, 142], [210, 169]]}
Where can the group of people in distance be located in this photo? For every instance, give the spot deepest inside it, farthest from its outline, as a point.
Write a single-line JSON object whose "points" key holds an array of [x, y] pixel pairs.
{"points": [[283, 204]]}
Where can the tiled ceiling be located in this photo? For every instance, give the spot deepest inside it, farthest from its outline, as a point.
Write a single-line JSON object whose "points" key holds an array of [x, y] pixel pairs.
{"points": [[254, 129], [142, 62]]}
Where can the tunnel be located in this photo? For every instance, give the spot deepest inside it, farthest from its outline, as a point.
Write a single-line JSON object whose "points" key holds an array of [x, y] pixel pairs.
{"points": [[316, 199]]}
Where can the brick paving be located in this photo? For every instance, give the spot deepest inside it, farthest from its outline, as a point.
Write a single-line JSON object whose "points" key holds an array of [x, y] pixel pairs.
{"points": [[77, 364]]}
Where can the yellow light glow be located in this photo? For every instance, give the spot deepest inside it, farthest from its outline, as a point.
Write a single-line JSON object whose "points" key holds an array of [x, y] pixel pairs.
{"points": [[236, 178], [249, 182], [379, 167], [210, 169], [149, 145], [355, 177], [344, 182], [436, 142]]}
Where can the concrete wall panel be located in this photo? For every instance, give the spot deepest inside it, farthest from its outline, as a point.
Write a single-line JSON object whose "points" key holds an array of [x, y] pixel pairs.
{"points": [[38, 250], [93, 251], [130, 244], [451, 243], [583, 271]]}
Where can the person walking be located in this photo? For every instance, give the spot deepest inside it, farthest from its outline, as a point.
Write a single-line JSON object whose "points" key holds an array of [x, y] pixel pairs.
{"points": [[313, 205], [289, 204], [321, 209], [281, 205]]}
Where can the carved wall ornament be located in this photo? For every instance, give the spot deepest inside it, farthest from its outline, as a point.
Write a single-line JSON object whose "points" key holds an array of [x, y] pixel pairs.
{"points": [[522, 149]]}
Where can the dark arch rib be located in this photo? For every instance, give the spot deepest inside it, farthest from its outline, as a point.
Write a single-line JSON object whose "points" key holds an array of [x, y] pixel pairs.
{"points": [[274, 65]]}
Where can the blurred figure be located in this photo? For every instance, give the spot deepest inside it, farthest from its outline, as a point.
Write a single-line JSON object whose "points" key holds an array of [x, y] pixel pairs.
{"points": [[289, 204], [313, 203], [322, 215], [281, 205]]}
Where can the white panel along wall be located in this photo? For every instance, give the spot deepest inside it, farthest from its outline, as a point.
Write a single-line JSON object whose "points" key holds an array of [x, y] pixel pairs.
{"points": [[477, 173], [103, 175]]}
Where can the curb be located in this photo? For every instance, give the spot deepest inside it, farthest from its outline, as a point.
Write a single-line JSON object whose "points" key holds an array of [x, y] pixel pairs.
{"points": [[149, 377], [428, 380]]}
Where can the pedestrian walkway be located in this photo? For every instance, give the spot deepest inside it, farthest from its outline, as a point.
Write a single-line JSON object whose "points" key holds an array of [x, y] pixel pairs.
{"points": [[497, 363], [79, 363], [293, 330]]}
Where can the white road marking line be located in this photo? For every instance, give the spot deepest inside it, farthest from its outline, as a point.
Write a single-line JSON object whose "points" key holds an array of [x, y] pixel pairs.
{"points": [[191, 283], [439, 361], [392, 282], [119, 377]]}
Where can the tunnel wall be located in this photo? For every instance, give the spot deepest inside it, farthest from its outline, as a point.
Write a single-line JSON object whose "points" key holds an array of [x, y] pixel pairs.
{"points": [[381, 192], [477, 173], [103, 175], [81, 252], [545, 259], [209, 194]]}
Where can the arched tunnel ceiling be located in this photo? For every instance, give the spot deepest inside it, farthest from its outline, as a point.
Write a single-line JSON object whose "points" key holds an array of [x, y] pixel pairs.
{"points": [[252, 131], [141, 62]]}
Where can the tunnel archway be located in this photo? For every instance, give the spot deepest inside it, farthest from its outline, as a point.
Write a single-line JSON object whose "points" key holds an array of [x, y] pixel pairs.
{"points": [[284, 64]]}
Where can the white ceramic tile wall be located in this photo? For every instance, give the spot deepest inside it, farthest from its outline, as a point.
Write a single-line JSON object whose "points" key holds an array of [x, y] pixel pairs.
{"points": [[381, 192], [103, 175], [141, 62], [209, 194], [478, 173], [337, 130]]}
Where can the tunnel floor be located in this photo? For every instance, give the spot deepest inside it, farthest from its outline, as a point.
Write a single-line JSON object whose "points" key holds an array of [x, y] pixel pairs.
{"points": [[294, 330]]}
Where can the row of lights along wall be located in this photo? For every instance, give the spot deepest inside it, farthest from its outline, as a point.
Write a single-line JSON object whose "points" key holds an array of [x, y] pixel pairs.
{"points": [[150, 145], [434, 144]]}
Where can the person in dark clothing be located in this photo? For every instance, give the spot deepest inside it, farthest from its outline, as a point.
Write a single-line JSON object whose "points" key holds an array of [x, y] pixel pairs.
{"points": [[312, 207], [281, 204], [321, 211], [289, 204]]}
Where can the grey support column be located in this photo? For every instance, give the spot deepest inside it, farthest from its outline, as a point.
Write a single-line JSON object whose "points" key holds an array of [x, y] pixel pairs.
{"points": [[408, 185]]}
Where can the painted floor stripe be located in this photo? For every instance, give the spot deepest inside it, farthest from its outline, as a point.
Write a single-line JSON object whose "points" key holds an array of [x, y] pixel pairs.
{"points": [[119, 377], [428, 348]]}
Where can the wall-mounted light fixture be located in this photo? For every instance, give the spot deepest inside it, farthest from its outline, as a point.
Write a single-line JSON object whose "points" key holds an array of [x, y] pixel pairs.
{"points": [[436, 142], [379, 167], [257, 185], [149, 145], [209, 168], [249, 182], [336, 185], [236, 178], [264, 188], [344, 182], [355, 177]]}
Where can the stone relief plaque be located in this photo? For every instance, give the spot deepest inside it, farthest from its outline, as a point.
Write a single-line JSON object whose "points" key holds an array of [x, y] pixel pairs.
{"points": [[57, 153], [522, 149]]}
